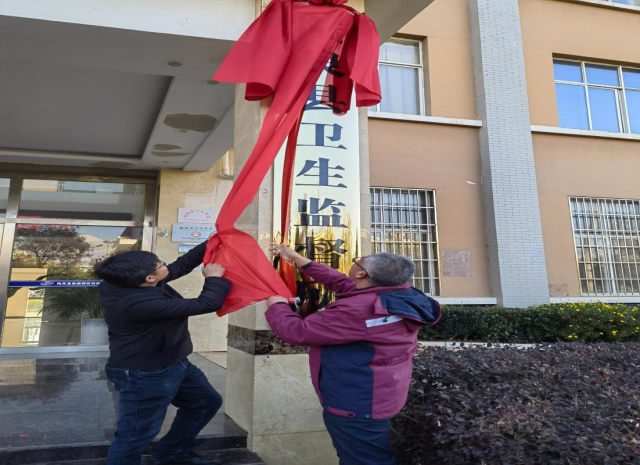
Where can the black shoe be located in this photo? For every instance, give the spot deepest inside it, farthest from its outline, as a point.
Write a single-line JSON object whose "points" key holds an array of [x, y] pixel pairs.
{"points": [[188, 458]]}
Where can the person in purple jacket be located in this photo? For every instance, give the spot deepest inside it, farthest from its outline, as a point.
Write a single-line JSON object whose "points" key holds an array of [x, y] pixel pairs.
{"points": [[362, 347]]}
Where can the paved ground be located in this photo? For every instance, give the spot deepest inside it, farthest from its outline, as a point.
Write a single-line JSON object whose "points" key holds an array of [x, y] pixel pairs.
{"points": [[55, 401]]}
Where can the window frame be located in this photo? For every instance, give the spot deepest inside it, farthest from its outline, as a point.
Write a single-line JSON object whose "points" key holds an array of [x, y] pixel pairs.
{"points": [[12, 220], [618, 3], [434, 281], [622, 109], [419, 67], [605, 235]]}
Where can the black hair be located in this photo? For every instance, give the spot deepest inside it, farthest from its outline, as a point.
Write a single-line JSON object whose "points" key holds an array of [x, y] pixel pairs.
{"points": [[127, 269]]}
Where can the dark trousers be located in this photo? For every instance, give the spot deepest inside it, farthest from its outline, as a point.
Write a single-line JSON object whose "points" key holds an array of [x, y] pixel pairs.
{"points": [[360, 441], [142, 407]]}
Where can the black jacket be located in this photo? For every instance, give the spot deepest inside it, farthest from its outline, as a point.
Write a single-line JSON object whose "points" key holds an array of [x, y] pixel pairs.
{"points": [[148, 326]]}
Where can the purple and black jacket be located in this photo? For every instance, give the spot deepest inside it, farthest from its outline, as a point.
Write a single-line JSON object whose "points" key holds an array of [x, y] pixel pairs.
{"points": [[362, 345]]}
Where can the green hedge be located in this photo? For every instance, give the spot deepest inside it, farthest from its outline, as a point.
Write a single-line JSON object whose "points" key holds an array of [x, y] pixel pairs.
{"points": [[585, 322]]}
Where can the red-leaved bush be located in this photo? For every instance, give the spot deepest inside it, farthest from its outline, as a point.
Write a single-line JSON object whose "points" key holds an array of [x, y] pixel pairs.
{"points": [[553, 404]]}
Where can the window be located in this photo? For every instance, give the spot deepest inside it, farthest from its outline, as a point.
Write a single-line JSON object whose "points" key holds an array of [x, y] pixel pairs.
{"points": [[403, 221], [625, 2], [4, 196], [597, 97], [50, 198], [607, 240], [401, 77]]}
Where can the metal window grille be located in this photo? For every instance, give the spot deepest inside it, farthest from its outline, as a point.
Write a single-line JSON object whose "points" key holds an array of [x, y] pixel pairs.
{"points": [[622, 93], [403, 221], [607, 241]]}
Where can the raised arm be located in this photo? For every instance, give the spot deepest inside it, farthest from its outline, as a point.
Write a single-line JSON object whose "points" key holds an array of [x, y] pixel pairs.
{"points": [[330, 278], [187, 263], [211, 298], [325, 275], [329, 327]]}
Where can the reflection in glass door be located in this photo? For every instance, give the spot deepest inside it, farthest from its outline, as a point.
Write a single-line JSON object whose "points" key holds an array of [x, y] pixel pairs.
{"points": [[52, 281], [58, 230]]}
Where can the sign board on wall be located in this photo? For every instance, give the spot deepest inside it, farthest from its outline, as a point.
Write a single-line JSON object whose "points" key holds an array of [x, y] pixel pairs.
{"points": [[54, 283], [196, 215], [191, 232], [184, 248], [325, 205]]}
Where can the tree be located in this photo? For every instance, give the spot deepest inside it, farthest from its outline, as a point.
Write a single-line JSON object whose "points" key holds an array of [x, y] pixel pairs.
{"points": [[57, 248], [48, 246]]}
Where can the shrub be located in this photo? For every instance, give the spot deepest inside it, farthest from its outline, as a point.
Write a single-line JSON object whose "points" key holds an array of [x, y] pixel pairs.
{"points": [[555, 404], [584, 322]]}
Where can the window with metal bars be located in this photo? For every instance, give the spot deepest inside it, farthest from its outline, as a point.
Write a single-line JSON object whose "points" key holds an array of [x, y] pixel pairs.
{"points": [[607, 239], [403, 221]]}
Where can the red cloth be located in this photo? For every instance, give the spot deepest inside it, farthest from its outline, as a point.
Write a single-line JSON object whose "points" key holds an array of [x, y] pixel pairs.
{"points": [[287, 270], [284, 53]]}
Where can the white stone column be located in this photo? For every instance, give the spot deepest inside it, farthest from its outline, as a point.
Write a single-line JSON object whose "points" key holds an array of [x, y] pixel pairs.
{"points": [[269, 391], [512, 212]]}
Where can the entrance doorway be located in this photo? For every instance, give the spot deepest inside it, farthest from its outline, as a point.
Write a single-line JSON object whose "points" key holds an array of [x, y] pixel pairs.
{"points": [[54, 228]]}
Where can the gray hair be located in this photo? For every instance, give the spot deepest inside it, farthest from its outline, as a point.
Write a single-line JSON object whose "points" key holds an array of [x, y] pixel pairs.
{"points": [[389, 269]]}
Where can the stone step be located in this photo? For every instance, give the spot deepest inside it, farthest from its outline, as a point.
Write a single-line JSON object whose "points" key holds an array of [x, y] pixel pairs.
{"points": [[88, 453], [227, 457]]}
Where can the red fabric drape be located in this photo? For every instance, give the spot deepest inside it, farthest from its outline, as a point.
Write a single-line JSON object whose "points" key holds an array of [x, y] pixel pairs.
{"points": [[287, 271], [283, 53]]}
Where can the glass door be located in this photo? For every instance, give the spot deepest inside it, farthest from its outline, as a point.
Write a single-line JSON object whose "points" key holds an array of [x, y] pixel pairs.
{"points": [[55, 230]]}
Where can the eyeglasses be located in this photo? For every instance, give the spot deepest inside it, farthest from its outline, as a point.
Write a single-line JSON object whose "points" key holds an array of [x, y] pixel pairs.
{"points": [[355, 262], [162, 265]]}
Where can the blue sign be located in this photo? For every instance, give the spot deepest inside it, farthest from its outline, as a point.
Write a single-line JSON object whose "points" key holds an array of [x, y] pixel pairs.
{"points": [[184, 248], [54, 283]]}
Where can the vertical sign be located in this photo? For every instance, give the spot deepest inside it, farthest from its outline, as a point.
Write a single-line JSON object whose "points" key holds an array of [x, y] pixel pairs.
{"points": [[325, 208]]}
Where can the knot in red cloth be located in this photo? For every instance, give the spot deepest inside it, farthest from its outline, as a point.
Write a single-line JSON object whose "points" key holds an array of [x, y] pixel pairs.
{"points": [[328, 2]]}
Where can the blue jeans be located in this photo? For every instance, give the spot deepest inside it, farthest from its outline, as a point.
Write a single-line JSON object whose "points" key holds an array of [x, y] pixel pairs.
{"points": [[360, 441], [144, 397]]}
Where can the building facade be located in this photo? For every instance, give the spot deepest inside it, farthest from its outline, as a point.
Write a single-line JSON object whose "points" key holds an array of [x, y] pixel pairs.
{"points": [[503, 160], [521, 121]]}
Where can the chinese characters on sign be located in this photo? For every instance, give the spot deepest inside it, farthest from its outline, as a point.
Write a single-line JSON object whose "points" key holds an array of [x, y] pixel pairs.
{"points": [[325, 207], [54, 283], [196, 215], [191, 233]]}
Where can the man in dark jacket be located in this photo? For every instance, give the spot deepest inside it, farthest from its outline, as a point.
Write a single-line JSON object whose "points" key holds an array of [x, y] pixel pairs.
{"points": [[362, 347], [149, 342]]}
